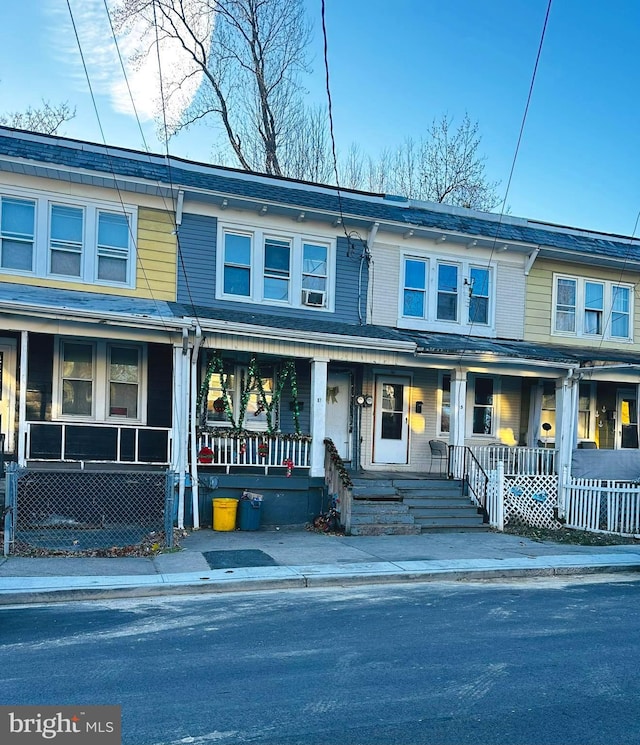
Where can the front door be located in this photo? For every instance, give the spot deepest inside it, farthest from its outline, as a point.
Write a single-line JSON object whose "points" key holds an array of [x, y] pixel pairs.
{"points": [[627, 419], [338, 415], [391, 428], [7, 390]]}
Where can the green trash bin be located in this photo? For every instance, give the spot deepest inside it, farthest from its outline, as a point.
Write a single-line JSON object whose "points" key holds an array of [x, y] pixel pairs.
{"points": [[249, 509]]}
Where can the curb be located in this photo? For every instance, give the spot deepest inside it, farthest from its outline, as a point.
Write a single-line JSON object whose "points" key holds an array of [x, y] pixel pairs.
{"points": [[166, 586]]}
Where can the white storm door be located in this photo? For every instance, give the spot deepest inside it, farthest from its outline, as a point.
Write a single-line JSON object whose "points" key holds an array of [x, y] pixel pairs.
{"points": [[7, 390], [338, 412], [391, 428]]}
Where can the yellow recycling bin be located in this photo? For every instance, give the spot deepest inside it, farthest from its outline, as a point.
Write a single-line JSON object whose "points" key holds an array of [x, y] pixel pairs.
{"points": [[224, 514]]}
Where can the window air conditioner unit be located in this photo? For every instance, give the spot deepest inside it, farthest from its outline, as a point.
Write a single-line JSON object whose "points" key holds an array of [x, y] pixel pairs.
{"points": [[313, 298]]}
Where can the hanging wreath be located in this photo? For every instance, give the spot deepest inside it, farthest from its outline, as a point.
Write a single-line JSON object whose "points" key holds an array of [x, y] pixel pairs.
{"points": [[263, 450], [219, 405]]}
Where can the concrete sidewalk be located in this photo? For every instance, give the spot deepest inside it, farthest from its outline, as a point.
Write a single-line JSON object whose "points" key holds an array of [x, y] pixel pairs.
{"points": [[235, 561]]}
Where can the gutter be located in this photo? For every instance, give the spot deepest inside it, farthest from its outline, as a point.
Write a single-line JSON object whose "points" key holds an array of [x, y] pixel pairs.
{"points": [[197, 342]]}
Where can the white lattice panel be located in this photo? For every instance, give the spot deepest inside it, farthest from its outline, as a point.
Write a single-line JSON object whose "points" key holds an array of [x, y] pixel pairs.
{"points": [[532, 500]]}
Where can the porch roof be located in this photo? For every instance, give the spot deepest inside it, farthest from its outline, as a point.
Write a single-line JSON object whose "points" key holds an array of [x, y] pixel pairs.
{"points": [[320, 324], [52, 301]]}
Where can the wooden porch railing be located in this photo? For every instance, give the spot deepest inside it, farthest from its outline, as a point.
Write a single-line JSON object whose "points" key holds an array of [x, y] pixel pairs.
{"points": [[338, 483], [256, 449]]}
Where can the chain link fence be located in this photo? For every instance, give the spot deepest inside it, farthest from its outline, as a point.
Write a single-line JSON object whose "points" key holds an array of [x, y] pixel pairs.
{"points": [[87, 510]]}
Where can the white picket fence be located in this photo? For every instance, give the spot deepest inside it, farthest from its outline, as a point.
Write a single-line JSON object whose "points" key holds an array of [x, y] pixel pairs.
{"points": [[604, 506]]}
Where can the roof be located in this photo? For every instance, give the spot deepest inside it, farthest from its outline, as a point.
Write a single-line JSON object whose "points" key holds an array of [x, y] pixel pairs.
{"points": [[26, 152]]}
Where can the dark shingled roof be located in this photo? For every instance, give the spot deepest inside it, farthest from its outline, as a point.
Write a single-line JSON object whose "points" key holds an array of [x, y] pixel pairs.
{"points": [[318, 325], [153, 168]]}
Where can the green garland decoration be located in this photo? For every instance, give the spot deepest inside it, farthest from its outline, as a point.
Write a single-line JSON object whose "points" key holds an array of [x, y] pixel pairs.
{"points": [[253, 384]]}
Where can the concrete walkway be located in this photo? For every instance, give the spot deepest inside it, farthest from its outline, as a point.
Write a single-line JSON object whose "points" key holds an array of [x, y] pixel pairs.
{"points": [[235, 561]]}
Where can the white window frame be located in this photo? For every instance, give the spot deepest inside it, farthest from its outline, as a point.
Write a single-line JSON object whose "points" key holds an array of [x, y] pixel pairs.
{"points": [[430, 321], [580, 309], [257, 276], [471, 405], [440, 402], [41, 259], [101, 381]]}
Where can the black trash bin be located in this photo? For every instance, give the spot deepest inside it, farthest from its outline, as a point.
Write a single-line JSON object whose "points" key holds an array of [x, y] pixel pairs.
{"points": [[249, 509]]}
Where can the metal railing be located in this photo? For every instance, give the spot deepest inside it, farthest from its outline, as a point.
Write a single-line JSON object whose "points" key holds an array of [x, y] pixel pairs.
{"points": [[97, 442], [249, 449], [74, 511], [338, 483]]}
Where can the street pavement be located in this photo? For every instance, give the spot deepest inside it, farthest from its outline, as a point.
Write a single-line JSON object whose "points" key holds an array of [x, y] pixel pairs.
{"points": [[210, 561]]}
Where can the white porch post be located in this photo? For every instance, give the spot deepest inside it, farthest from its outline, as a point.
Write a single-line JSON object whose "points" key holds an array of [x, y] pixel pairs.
{"points": [[180, 418], [567, 407], [318, 414], [457, 422], [22, 399]]}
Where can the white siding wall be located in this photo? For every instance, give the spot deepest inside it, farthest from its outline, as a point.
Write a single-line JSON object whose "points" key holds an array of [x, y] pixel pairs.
{"points": [[510, 301]]}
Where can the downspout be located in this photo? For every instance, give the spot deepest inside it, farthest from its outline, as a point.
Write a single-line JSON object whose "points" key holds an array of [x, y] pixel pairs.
{"points": [[197, 341], [182, 430]]}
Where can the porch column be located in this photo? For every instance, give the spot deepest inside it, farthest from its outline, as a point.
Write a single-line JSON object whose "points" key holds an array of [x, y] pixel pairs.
{"points": [[457, 422], [318, 414], [22, 399], [180, 428], [567, 408]]}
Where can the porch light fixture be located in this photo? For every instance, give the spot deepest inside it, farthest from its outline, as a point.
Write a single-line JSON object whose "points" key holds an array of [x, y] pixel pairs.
{"points": [[263, 209], [442, 239], [337, 222], [472, 244], [418, 407], [224, 204], [300, 217], [408, 234]]}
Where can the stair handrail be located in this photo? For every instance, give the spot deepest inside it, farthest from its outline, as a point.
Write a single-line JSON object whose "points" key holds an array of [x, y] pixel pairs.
{"points": [[476, 480], [338, 482]]}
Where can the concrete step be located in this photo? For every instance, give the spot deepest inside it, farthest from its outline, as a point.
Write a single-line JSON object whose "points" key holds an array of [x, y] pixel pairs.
{"points": [[423, 483], [388, 508], [454, 528], [383, 529], [454, 512], [449, 491], [453, 501], [449, 521], [377, 519]]}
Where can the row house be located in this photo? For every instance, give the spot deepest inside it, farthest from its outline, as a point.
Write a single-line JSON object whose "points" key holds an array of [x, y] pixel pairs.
{"points": [[161, 313]]}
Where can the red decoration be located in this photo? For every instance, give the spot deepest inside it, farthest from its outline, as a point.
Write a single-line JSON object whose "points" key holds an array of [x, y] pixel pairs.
{"points": [[289, 464], [205, 455], [263, 449], [218, 405]]}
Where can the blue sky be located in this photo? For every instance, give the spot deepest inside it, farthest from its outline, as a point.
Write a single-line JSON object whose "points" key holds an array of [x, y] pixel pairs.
{"points": [[394, 67]]}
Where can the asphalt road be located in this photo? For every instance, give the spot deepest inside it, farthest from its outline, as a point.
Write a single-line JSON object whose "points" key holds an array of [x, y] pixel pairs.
{"points": [[548, 661]]}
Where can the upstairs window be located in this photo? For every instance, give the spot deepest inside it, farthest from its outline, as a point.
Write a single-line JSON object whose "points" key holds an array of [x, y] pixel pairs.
{"points": [[443, 293], [66, 237], [81, 240], [260, 267], [585, 307], [17, 229]]}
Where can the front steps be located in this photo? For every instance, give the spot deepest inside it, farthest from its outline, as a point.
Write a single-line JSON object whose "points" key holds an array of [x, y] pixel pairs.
{"points": [[401, 506]]}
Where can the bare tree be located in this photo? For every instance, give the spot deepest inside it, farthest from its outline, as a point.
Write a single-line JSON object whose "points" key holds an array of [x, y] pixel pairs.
{"points": [[445, 166], [248, 54], [46, 119], [308, 155], [452, 170]]}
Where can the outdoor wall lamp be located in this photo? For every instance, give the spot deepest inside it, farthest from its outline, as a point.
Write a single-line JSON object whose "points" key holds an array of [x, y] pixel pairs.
{"points": [[418, 407]]}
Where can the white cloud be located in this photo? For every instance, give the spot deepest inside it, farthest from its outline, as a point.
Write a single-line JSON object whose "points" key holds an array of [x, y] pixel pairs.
{"points": [[104, 68]]}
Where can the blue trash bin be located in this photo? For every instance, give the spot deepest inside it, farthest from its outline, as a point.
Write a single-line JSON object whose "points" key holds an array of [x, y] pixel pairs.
{"points": [[249, 509]]}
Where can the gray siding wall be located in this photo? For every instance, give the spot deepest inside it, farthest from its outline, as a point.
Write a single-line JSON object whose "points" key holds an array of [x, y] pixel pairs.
{"points": [[197, 260]]}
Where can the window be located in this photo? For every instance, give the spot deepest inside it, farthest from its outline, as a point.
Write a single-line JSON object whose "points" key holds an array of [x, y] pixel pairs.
{"points": [[447, 293], [77, 379], [588, 308], [415, 288], [445, 404], [483, 407], [478, 295], [100, 381], [124, 381], [548, 412], [236, 379], [113, 246], [442, 293], [593, 307], [237, 264], [258, 267], [17, 227], [277, 269], [80, 240]]}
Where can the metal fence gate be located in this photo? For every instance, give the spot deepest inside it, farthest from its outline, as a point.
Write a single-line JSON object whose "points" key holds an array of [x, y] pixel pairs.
{"points": [[84, 510]]}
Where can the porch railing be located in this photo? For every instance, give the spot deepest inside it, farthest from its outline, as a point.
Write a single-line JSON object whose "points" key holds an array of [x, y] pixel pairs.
{"points": [[518, 461], [259, 450], [338, 483], [97, 442]]}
